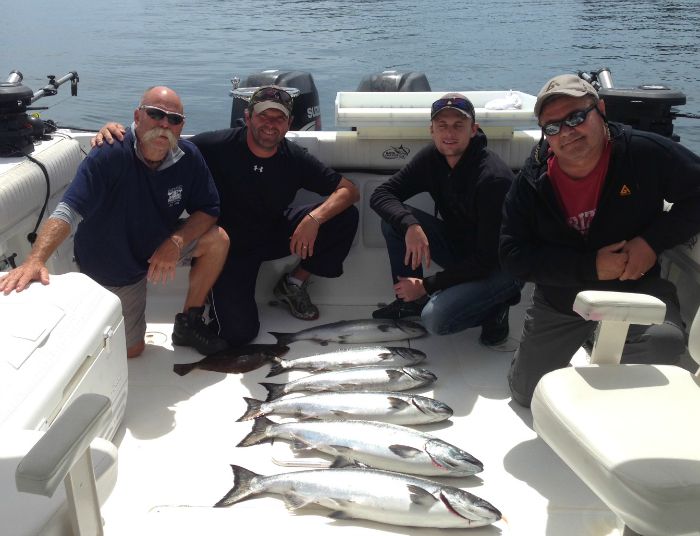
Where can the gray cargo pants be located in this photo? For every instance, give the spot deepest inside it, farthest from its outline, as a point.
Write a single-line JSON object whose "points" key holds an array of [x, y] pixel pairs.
{"points": [[551, 338]]}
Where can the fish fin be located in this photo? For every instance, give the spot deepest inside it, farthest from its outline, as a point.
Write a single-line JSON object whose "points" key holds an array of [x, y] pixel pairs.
{"points": [[404, 451], [184, 368], [259, 433], [341, 414], [294, 501], [283, 339], [299, 445], [394, 374], [253, 409], [396, 403], [279, 366], [240, 491], [305, 418], [274, 390], [420, 495], [340, 514], [341, 462]]}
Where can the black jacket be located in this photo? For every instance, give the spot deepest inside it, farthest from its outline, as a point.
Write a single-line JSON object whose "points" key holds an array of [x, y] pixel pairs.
{"points": [[469, 199], [645, 169]]}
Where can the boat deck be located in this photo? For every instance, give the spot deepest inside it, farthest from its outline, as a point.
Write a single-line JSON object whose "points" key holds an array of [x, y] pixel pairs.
{"points": [[179, 435]]}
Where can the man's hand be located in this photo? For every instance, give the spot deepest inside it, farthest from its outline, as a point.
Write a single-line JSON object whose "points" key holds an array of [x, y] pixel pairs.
{"points": [[417, 247], [611, 261], [163, 262], [20, 278], [107, 134], [302, 241], [409, 288], [640, 258]]}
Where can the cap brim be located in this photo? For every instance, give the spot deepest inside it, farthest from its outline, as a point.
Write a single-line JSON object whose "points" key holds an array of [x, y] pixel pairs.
{"points": [[266, 105], [463, 112]]}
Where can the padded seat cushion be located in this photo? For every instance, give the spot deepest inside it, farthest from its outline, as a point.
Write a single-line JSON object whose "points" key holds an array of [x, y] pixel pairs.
{"points": [[632, 434]]}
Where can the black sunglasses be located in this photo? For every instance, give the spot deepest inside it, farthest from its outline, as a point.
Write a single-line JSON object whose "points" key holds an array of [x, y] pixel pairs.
{"points": [[453, 102], [573, 120], [157, 114]]}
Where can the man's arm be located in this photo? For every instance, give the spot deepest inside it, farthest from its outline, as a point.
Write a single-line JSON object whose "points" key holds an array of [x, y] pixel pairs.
{"points": [[51, 235], [304, 236], [164, 260]]}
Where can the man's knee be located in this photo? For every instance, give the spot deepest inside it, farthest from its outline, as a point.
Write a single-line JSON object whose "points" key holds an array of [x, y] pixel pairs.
{"points": [[215, 240], [660, 344]]}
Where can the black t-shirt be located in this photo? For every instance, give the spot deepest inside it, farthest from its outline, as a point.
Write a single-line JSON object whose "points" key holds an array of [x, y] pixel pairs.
{"points": [[254, 192]]}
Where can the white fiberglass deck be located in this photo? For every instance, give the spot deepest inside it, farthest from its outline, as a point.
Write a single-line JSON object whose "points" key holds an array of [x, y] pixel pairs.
{"points": [[179, 437]]}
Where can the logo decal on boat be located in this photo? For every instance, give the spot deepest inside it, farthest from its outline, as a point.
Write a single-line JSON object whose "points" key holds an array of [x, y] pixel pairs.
{"points": [[392, 153], [174, 195]]}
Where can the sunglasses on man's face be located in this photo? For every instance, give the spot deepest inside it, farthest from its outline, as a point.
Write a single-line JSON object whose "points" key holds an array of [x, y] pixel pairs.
{"points": [[573, 120], [273, 94], [157, 114], [456, 102]]}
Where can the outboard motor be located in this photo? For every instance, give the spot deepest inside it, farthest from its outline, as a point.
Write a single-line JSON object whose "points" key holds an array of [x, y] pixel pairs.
{"points": [[307, 109], [18, 131], [394, 81], [646, 107]]}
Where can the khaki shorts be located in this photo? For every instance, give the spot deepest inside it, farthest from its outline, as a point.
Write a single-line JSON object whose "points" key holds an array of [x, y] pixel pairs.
{"points": [[133, 298]]}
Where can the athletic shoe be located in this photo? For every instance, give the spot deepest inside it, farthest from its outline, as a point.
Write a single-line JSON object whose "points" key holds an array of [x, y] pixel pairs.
{"points": [[190, 330], [400, 309], [297, 298]]}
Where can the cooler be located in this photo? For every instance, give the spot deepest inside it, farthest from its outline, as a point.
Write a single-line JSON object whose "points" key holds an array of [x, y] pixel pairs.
{"points": [[60, 340]]}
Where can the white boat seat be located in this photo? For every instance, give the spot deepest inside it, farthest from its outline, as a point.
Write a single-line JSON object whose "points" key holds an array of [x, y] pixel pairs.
{"points": [[33, 464], [630, 432]]}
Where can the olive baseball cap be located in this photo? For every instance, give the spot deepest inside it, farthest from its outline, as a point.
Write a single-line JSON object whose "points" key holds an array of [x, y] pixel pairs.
{"points": [[571, 85], [271, 97]]}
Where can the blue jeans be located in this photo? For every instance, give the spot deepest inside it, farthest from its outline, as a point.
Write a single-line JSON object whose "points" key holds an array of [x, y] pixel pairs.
{"points": [[458, 307]]}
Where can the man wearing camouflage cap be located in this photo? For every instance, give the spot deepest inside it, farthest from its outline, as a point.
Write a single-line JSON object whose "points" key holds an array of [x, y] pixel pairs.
{"points": [[586, 212]]}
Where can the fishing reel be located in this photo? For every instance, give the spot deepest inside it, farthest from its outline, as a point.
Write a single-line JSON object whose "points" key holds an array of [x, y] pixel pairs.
{"points": [[19, 130]]}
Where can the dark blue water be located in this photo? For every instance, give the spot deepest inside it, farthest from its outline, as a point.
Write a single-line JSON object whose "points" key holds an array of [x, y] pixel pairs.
{"points": [[196, 46]]}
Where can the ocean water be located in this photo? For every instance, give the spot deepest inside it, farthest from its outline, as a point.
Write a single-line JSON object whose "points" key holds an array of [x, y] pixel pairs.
{"points": [[196, 47]]}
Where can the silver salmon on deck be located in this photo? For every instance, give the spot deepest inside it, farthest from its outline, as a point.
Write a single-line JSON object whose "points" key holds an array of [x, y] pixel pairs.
{"points": [[369, 494], [355, 331], [350, 357], [384, 406], [373, 444], [355, 379]]}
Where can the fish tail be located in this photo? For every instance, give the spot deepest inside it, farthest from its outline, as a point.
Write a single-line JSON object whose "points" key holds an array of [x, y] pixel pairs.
{"points": [[241, 486], [254, 408], [259, 432], [274, 390], [283, 339], [279, 366], [183, 368]]}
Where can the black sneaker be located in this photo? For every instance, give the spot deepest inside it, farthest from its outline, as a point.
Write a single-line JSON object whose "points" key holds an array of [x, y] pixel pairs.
{"points": [[494, 330], [190, 330], [400, 309], [297, 298]]}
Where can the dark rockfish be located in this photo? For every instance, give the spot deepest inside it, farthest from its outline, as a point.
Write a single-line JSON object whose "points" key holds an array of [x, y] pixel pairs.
{"points": [[355, 331], [236, 360], [370, 494], [351, 357]]}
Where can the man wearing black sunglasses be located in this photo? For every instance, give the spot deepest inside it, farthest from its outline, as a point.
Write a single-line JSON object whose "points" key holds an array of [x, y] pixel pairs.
{"points": [[125, 203], [587, 212], [467, 182]]}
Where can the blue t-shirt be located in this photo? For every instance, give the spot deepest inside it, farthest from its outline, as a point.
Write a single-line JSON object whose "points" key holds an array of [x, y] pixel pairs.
{"points": [[129, 209]]}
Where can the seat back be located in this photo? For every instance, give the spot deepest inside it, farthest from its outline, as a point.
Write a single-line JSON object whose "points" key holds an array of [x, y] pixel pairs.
{"points": [[694, 340]]}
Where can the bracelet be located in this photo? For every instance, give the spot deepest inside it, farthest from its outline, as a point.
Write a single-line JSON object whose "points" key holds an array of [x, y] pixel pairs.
{"points": [[314, 218], [177, 243]]}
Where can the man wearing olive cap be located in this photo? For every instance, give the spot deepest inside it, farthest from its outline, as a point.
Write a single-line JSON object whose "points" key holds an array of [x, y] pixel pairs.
{"points": [[587, 212]]}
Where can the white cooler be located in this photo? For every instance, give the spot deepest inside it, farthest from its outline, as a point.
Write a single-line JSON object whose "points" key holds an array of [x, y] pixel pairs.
{"points": [[59, 341]]}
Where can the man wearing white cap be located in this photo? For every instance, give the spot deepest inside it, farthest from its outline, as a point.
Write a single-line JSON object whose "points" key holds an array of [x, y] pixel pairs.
{"points": [[587, 212]]}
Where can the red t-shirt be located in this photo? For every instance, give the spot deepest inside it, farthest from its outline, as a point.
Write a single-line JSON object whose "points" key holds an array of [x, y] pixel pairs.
{"points": [[579, 197]]}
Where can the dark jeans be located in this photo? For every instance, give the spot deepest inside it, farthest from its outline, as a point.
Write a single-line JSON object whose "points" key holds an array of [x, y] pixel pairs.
{"points": [[550, 339], [233, 309], [458, 307]]}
